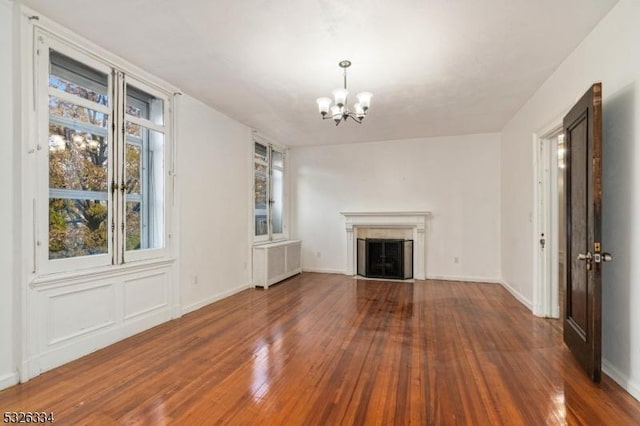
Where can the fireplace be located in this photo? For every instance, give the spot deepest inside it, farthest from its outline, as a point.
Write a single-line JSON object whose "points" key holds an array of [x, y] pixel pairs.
{"points": [[408, 225], [385, 258]]}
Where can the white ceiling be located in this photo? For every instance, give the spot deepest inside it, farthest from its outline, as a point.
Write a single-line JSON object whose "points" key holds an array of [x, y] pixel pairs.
{"points": [[435, 67]]}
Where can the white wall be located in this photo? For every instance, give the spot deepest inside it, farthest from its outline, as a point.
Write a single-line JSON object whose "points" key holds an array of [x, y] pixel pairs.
{"points": [[7, 276], [456, 178], [610, 54], [214, 160]]}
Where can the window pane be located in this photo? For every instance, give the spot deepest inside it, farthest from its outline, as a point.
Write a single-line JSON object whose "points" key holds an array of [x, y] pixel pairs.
{"points": [[144, 105], [134, 168], [277, 159], [64, 111], [260, 152], [260, 196], [276, 212], [134, 226], [134, 130], [77, 227], [144, 179], [78, 79], [77, 160]]}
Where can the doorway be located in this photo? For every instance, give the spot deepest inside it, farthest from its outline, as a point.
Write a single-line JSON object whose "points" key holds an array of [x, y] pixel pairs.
{"points": [[549, 224]]}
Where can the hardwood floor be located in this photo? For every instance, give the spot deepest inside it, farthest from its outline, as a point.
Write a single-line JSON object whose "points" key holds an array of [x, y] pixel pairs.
{"points": [[328, 349]]}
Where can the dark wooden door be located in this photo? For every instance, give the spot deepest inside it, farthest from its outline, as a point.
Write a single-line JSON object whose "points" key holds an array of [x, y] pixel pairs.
{"points": [[583, 313]]}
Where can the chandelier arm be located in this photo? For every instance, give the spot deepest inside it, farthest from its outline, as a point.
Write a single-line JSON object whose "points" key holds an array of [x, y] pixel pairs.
{"points": [[354, 118]]}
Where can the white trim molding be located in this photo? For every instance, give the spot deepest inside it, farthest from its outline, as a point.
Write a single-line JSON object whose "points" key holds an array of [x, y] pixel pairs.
{"points": [[212, 299], [8, 380], [624, 380], [519, 296], [545, 221], [414, 220], [482, 280], [323, 270]]}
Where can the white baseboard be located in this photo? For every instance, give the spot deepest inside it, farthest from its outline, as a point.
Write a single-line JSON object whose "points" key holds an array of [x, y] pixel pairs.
{"points": [[323, 270], [209, 300], [8, 380], [627, 383], [430, 277], [515, 293], [464, 279]]}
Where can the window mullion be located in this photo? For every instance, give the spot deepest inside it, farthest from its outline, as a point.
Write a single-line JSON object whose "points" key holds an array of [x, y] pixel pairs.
{"points": [[270, 191], [74, 99], [146, 123], [41, 215], [118, 169]]}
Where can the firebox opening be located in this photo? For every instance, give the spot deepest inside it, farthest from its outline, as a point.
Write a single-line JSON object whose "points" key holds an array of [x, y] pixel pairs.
{"points": [[385, 258]]}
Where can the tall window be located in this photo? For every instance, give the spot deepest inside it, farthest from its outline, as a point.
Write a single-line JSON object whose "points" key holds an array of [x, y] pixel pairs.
{"points": [[269, 163], [105, 162]]}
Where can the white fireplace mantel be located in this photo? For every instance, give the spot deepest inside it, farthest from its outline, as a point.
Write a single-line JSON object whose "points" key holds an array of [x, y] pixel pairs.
{"points": [[416, 221]]}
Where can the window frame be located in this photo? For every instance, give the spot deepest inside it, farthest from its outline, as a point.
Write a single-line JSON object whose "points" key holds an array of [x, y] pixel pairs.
{"points": [[165, 129], [118, 78], [276, 235], [43, 91], [262, 237], [270, 236]]}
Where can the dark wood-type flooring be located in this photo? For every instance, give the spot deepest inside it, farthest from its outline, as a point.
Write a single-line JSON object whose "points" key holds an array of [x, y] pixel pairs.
{"points": [[323, 349]]}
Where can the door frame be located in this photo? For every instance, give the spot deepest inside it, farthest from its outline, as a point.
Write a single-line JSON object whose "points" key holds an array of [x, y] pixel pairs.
{"points": [[545, 220]]}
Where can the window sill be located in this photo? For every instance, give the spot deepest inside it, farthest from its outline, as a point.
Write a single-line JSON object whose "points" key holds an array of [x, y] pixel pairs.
{"points": [[66, 278], [275, 243]]}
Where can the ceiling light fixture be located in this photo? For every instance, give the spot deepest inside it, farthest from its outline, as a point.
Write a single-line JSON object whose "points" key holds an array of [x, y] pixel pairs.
{"points": [[340, 112]]}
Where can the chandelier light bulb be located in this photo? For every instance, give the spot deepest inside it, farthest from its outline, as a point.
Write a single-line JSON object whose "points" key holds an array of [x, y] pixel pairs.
{"points": [[359, 110], [323, 105], [364, 99], [340, 96], [336, 113]]}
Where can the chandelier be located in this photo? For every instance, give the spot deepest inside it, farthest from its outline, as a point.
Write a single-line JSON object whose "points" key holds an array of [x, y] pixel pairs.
{"points": [[340, 112]]}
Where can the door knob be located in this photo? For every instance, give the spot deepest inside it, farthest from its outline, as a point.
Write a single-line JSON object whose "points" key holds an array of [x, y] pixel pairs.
{"points": [[606, 257]]}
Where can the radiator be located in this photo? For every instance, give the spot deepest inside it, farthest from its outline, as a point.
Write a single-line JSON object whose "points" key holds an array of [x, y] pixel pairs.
{"points": [[274, 262]]}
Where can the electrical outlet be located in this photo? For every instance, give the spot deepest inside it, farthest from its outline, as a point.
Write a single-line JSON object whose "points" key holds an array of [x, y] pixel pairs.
{"points": [[456, 260], [195, 280], [319, 254]]}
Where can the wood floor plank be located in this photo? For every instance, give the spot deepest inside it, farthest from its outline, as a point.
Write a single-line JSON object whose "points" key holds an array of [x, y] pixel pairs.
{"points": [[330, 349]]}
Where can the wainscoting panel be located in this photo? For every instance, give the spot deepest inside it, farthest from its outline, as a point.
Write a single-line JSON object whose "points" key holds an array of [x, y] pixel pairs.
{"points": [[71, 318], [68, 314], [144, 294]]}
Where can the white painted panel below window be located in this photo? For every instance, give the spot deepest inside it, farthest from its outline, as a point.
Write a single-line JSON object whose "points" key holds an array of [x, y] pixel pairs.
{"points": [[144, 294], [80, 311]]}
